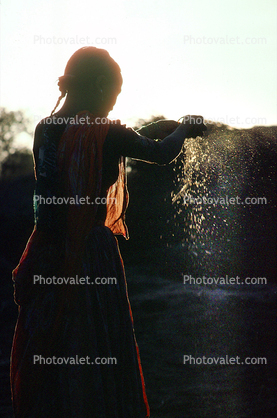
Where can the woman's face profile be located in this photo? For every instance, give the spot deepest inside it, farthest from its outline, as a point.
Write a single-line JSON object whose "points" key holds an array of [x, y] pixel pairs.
{"points": [[112, 98], [105, 92]]}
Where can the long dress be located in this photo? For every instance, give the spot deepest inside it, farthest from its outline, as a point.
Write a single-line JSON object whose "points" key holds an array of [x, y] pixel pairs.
{"points": [[60, 323]]}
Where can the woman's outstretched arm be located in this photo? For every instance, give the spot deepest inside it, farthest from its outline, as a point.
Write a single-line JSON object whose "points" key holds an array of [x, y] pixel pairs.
{"points": [[159, 142]]}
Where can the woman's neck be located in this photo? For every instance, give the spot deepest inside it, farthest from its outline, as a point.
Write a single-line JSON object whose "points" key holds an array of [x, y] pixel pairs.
{"points": [[72, 107]]}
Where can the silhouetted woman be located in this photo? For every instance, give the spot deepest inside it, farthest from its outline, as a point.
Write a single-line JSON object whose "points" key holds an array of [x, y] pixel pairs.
{"points": [[74, 350]]}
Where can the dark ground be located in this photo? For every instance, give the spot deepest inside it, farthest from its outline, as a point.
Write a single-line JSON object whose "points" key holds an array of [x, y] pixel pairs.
{"points": [[173, 320]]}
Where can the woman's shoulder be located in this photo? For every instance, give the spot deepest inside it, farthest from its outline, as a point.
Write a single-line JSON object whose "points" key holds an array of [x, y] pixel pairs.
{"points": [[50, 121], [49, 127], [120, 130], [43, 124]]}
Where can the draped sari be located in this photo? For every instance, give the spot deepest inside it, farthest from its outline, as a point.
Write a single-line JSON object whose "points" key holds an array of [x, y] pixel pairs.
{"points": [[67, 321]]}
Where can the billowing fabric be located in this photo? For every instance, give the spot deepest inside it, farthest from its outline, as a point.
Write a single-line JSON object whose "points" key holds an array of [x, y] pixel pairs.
{"points": [[89, 320]]}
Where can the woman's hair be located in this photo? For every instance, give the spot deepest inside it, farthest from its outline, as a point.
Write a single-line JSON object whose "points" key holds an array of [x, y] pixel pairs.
{"points": [[83, 67]]}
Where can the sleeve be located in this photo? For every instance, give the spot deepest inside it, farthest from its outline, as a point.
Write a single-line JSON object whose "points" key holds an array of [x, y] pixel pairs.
{"points": [[129, 143]]}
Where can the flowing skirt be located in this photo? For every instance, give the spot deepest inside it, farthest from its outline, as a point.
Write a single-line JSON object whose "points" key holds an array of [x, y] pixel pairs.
{"points": [[60, 326]]}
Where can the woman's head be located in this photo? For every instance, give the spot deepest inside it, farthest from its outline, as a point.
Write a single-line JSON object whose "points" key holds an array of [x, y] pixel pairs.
{"points": [[93, 78]]}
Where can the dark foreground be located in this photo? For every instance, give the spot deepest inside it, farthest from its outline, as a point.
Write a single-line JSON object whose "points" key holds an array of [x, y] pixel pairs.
{"points": [[173, 320]]}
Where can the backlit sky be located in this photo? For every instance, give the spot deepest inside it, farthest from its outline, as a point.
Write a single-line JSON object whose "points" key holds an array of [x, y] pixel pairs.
{"points": [[217, 58]]}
